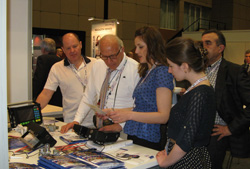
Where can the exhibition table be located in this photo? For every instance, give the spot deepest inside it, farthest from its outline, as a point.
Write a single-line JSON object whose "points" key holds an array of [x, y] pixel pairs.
{"points": [[52, 111], [146, 158]]}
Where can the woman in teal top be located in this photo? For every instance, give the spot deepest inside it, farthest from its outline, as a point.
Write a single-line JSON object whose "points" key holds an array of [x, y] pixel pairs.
{"points": [[153, 93]]}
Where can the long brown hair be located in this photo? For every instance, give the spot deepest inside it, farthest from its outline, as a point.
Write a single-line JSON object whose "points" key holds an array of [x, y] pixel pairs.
{"points": [[155, 44], [183, 50]]}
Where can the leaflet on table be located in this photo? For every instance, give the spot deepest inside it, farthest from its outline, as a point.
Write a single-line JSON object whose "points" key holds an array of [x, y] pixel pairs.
{"points": [[15, 142], [17, 146], [72, 138], [25, 150], [97, 158], [131, 156], [96, 109], [15, 165], [67, 149]]}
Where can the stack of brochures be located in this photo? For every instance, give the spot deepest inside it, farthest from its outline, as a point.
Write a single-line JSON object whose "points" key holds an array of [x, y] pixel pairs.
{"points": [[89, 158], [15, 165], [62, 161]]}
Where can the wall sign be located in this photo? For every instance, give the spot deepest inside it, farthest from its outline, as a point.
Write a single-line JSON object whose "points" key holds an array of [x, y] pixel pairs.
{"points": [[98, 30]]}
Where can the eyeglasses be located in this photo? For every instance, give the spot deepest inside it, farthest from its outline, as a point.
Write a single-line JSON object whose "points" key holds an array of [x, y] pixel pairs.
{"points": [[111, 56]]}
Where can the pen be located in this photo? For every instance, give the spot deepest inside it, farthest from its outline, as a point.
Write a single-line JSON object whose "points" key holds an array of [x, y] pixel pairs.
{"points": [[124, 149]]}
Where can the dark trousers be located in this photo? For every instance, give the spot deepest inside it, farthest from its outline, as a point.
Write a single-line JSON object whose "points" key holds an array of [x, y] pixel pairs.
{"points": [[145, 143], [217, 151]]}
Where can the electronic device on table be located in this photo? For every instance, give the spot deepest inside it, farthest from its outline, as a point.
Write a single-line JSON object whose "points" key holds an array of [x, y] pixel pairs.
{"points": [[36, 136], [24, 112], [98, 137]]}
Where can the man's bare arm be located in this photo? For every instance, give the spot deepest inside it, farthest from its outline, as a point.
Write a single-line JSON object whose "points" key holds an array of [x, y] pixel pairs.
{"points": [[44, 97]]}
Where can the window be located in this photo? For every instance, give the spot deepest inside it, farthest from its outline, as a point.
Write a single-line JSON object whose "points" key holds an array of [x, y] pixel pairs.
{"points": [[168, 14], [195, 17]]}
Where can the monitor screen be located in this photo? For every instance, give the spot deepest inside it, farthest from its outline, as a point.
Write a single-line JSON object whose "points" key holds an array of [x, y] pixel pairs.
{"points": [[24, 114]]}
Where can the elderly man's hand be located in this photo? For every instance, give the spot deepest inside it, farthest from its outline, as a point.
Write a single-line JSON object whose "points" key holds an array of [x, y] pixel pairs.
{"points": [[68, 126]]}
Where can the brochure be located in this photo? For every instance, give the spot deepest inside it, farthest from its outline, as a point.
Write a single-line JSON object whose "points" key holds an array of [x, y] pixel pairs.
{"points": [[131, 156], [15, 165], [26, 150], [15, 142], [62, 161], [96, 109], [67, 149], [97, 158], [72, 138]]}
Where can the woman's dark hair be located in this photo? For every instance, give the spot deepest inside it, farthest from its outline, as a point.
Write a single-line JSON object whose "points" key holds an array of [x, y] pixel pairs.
{"points": [[182, 50], [155, 44]]}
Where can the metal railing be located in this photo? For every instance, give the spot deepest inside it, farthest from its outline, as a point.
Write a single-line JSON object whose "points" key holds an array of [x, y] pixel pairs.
{"points": [[205, 24], [201, 24]]}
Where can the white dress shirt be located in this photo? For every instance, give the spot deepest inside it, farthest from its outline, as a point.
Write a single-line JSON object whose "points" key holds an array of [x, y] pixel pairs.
{"points": [[71, 87], [126, 84]]}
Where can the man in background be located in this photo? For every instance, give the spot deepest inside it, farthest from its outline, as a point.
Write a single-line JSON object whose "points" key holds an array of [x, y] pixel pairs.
{"points": [[59, 53], [247, 61], [232, 90], [71, 74], [43, 66]]}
